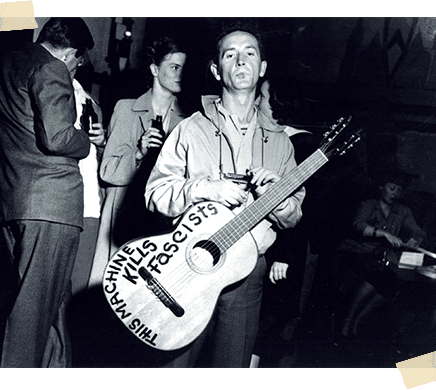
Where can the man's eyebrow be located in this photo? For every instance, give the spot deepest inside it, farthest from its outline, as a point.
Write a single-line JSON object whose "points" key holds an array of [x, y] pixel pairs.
{"points": [[245, 47], [228, 49]]}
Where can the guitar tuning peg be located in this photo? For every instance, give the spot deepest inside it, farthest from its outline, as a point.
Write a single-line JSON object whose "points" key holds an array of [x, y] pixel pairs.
{"points": [[338, 122]]}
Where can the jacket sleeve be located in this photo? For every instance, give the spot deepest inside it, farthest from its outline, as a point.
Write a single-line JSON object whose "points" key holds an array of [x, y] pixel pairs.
{"points": [[55, 112], [289, 212], [118, 165], [363, 215], [168, 191]]}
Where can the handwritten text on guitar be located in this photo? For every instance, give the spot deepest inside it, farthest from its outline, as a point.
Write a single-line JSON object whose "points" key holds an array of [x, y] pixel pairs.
{"points": [[143, 257]]}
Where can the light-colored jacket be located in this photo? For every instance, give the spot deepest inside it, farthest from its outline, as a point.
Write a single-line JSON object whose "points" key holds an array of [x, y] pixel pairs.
{"points": [[191, 155], [130, 118], [119, 169]]}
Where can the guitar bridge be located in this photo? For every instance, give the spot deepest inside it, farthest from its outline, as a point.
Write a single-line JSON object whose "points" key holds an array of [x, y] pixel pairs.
{"points": [[161, 293]]}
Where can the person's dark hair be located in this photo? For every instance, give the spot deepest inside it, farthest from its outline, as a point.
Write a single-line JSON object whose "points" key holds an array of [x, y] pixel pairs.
{"points": [[62, 33], [396, 176], [160, 48], [248, 26]]}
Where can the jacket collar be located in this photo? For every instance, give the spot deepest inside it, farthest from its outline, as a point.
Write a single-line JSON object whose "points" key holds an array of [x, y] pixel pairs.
{"points": [[211, 104], [143, 103]]}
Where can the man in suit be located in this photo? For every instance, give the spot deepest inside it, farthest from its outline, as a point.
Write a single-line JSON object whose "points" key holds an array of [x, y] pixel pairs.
{"points": [[41, 192]]}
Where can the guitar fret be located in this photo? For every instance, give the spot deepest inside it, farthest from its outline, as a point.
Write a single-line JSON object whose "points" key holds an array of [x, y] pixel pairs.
{"points": [[243, 222]]}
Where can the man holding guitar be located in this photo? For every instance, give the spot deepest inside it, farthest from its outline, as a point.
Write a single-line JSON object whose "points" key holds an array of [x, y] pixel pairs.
{"points": [[229, 154]]}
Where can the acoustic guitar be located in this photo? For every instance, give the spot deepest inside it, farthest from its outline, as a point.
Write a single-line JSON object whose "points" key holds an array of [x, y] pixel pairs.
{"points": [[164, 288]]}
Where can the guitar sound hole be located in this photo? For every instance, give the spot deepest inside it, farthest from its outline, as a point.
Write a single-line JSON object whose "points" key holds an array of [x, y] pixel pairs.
{"points": [[211, 248], [204, 256]]}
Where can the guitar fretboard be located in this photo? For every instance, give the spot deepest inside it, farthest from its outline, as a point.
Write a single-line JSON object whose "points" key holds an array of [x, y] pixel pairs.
{"points": [[246, 220]]}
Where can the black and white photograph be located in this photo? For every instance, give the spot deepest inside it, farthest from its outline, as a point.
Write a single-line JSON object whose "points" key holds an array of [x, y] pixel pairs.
{"points": [[218, 192]]}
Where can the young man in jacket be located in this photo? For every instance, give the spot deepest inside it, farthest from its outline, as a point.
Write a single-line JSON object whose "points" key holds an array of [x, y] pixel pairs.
{"points": [[41, 201], [232, 136]]}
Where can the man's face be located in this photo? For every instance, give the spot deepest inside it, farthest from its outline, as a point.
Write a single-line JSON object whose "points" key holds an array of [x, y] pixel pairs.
{"points": [[240, 64], [169, 72]]}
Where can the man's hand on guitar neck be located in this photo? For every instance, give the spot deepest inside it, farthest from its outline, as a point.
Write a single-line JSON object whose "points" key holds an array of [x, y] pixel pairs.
{"points": [[262, 179]]}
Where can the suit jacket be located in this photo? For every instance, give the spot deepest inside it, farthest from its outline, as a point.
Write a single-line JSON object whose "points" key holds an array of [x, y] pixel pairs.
{"points": [[39, 145]]}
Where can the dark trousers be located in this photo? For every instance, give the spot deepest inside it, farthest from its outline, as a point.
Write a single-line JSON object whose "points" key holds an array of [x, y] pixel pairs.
{"points": [[39, 257], [85, 254], [233, 329]]}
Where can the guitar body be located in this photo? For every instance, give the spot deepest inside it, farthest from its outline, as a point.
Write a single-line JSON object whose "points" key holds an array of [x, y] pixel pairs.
{"points": [[165, 288]]}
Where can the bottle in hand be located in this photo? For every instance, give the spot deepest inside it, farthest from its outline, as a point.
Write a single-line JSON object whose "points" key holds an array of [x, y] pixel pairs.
{"points": [[157, 124], [88, 116]]}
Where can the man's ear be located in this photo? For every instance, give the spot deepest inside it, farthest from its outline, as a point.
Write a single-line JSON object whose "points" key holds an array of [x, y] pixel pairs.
{"points": [[154, 69], [69, 53], [215, 72], [263, 67]]}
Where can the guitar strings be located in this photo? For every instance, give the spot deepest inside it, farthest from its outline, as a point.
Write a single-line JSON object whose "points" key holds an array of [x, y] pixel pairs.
{"points": [[242, 222]]}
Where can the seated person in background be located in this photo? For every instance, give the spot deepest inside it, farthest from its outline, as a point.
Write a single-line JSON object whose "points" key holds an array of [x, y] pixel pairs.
{"points": [[381, 226]]}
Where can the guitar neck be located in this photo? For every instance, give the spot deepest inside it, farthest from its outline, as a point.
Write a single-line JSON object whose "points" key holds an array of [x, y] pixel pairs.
{"points": [[259, 209]]}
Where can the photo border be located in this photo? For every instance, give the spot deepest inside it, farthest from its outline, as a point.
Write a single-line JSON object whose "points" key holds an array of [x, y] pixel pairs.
{"points": [[306, 378]]}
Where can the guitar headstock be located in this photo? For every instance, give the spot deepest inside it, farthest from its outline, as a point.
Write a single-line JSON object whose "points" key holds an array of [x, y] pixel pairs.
{"points": [[335, 142]]}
